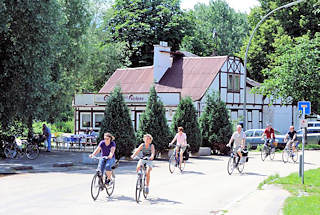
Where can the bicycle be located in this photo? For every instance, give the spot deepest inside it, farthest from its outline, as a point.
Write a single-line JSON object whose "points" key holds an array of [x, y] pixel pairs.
{"points": [[235, 162], [174, 161], [141, 181], [267, 150], [17, 149], [98, 184], [288, 153]]}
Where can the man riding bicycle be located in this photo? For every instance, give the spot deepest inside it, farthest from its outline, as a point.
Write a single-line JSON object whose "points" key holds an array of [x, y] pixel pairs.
{"points": [[148, 151], [291, 139], [239, 139], [107, 148], [269, 133], [181, 146]]}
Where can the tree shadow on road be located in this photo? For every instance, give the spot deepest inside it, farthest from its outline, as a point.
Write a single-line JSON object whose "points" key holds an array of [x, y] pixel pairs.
{"points": [[158, 200], [209, 158], [253, 173], [193, 172]]}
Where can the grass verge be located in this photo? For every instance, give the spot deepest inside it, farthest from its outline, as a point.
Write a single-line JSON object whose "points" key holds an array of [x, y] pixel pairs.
{"points": [[305, 199]]}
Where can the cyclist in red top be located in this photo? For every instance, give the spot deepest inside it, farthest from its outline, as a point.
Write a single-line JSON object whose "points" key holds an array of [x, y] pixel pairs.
{"points": [[269, 132]]}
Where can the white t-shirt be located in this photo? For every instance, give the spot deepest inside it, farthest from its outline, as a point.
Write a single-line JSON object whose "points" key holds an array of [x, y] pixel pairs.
{"points": [[238, 137]]}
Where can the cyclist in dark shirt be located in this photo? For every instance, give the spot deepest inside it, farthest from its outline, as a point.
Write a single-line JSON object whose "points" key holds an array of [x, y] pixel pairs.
{"points": [[291, 139]]}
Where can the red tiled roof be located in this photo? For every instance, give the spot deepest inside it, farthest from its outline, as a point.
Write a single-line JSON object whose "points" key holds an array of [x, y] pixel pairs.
{"points": [[190, 76]]}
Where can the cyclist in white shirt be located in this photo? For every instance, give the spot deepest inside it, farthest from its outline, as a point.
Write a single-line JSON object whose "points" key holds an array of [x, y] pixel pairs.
{"points": [[181, 139], [239, 139]]}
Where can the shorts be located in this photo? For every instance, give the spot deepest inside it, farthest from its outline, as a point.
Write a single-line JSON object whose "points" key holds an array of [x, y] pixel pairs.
{"points": [[291, 143], [237, 149], [147, 162], [181, 148], [269, 142], [106, 164]]}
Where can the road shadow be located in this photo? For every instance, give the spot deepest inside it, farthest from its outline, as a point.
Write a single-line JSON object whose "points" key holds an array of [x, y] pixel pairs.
{"points": [[253, 173], [120, 198], [207, 158], [158, 200], [193, 172]]}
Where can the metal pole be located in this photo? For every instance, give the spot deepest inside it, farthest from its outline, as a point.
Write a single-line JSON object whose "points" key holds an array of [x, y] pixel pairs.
{"points": [[303, 143], [246, 55]]}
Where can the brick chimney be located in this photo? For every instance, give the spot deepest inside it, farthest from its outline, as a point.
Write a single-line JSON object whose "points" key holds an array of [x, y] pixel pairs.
{"points": [[162, 60]]}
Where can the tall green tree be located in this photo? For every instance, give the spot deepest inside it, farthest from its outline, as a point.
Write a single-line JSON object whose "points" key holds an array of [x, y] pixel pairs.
{"points": [[215, 125], [144, 23], [295, 75], [294, 22], [117, 121], [153, 121], [27, 52], [186, 117], [231, 28]]}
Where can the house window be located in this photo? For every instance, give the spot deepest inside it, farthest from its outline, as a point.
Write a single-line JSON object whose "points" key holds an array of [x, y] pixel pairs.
{"points": [[230, 82], [98, 117], [85, 120], [234, 83]]}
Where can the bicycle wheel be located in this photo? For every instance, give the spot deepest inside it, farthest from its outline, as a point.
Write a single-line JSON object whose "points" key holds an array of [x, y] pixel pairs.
{"points": [[272, 153], [264, 153], [144, 190], [138, 188], [183, 165], [32, 151], [295, 155], [95, 187], [19, 154], [110, 187], [285, 155], [9, 152], [240, 167], [172, 163], [230, 166]]}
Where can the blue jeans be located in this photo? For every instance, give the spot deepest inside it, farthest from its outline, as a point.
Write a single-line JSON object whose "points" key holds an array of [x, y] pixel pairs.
{"points": [[49, 143], [106, 164]]}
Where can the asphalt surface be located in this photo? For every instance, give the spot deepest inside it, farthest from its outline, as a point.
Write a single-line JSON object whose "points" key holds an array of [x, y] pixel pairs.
{"points": [[203, 188]]}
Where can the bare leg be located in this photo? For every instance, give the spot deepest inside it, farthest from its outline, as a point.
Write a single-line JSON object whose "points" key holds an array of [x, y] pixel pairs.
{"points": [[148, 175], [181, 157]]}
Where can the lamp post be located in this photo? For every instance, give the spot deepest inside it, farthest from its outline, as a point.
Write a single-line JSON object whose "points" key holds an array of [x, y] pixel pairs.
{"points": [[245, 59]]}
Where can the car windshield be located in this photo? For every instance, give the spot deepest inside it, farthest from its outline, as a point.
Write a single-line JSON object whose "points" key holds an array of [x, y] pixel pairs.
{"points": [[258, 133], [249, 133], [277, 132]]}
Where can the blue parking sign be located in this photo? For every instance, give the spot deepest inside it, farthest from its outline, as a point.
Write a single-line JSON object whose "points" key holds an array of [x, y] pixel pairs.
{"points": [[304, 106]]}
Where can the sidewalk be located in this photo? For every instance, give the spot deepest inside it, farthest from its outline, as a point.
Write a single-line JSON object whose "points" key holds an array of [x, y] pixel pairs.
{"points": [[268, 201], [46, 162]]}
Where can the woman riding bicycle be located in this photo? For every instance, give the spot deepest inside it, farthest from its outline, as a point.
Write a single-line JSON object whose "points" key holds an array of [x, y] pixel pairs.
{"points": [[239, 139], [181, 139], [148, 151], [107, 148]]}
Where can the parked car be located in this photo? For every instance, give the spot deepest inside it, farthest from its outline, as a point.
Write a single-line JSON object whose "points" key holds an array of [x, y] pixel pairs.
{"points": [[314, 124], [254, 138], [313, 135]]}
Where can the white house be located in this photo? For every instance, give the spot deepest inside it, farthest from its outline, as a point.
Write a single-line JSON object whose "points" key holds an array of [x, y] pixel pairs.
{"points": [[179, 74]]}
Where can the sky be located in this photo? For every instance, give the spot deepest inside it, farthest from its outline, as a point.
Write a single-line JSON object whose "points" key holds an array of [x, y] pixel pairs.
{"points": [[238, 5]]}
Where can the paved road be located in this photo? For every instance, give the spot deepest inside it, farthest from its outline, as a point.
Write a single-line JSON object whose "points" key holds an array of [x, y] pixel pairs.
{"points": [[203, 188]]}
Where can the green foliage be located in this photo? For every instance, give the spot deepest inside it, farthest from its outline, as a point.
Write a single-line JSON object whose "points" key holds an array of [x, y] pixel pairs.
{"points": [[143, 23], [294, 22], [231, 28], [215, 125], [117, 122], [153, 121], [296, 71], [186, 117], [269, 180]]}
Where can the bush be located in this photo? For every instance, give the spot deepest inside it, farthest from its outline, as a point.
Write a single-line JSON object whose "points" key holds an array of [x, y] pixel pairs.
{"points": [[186, 117], [117, 121], [153, 121], [215, 125]]}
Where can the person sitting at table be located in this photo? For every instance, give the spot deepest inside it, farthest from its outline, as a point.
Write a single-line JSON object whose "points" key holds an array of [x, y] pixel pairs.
{"points": [[92, 133]]}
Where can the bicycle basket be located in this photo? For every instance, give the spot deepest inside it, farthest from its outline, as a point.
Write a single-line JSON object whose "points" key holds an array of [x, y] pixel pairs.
{"points": [[185, 155]]}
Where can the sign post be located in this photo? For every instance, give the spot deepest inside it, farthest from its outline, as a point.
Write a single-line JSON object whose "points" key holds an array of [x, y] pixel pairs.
{"points": [[304, 107]]}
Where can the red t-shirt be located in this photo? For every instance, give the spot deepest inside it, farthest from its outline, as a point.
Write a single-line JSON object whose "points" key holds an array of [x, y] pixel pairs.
{"points": [[269, 132]]}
